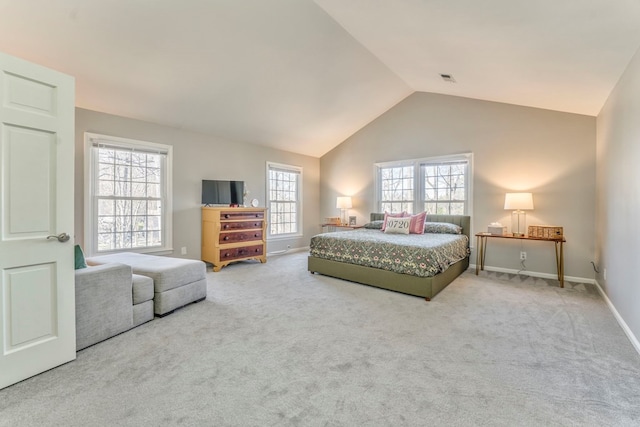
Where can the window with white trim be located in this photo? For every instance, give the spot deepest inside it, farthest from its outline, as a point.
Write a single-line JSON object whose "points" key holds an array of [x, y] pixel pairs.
{"points": [[437, 185], [128, 195], [284, 193], [397, 185], [445, 189]]}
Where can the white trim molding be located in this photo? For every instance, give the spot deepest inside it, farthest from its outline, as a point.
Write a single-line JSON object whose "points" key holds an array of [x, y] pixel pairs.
{"points": [[535, 274], [634, 341]]}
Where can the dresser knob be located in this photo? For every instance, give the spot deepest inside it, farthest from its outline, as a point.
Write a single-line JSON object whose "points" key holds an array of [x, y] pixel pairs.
{"points": [[226, 237], [256, 235], [226, 226], [227, 216], [257, 250], [226, 254]]}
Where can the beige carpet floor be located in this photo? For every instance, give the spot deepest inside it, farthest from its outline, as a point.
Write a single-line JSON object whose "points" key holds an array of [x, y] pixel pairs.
{"points": [[273, 345]]}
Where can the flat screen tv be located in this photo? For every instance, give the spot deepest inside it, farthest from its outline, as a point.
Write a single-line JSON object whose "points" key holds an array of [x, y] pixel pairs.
{"points": [[218, 192]]}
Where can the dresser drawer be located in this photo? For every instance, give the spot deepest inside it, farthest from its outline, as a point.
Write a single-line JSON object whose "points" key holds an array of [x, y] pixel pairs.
{"points": [[243, 252], [240, 236], [240, 225], [229, 215]]}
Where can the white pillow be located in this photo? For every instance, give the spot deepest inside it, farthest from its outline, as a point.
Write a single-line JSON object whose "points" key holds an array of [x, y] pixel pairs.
{"points": [[398, 225]]}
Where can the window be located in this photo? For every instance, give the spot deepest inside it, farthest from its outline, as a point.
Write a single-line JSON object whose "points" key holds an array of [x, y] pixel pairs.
{"points": [[438, 185], [445, 191], [284, 192], [397, 184], [128, 196]]}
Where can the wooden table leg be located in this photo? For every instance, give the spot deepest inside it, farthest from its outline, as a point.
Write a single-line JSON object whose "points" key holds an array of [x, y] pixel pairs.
{"points": [[481, 246], [560, 262], [478, 251], [484, 251]]}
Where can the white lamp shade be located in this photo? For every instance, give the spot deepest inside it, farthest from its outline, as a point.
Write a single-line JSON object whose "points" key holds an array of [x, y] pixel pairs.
{"points": [[518, 201], [344, 203]]}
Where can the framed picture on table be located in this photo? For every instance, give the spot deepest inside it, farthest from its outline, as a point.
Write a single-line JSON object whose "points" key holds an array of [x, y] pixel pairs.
{"points": [[352, 220]]}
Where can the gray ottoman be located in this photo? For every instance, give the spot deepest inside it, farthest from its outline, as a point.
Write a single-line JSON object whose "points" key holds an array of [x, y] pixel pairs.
{"points": [[176, 281]]}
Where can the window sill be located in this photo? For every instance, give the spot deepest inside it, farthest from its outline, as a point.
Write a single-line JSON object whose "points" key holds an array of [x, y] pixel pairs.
{"points": [[149, 251], [285, 236]]}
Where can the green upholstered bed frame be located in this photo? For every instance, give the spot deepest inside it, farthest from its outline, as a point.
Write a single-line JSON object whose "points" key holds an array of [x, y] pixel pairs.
{"points": [[426, 287]]}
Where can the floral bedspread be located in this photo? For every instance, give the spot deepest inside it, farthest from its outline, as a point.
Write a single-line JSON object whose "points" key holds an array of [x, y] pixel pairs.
{"points": [[422, 255]]}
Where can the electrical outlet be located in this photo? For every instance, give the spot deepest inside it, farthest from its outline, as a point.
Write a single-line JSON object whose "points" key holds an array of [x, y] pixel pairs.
{"points": [[183, 250], [523, 255]]}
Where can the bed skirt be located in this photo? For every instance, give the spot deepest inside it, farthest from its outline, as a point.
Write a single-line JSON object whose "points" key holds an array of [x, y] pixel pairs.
{"points": [[426, 287]]}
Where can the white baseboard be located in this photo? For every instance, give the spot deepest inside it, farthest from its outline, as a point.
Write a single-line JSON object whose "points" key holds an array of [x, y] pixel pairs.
{"points": [[535, 274], [288, 251], [621, 322]]}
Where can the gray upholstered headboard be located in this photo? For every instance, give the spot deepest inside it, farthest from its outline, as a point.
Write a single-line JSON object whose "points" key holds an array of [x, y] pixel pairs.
{"points": [[463, 221], [375, 216]]}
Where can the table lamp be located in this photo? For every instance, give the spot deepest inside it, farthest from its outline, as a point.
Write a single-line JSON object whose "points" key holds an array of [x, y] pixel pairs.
{"points": [[344, 204], [517, 202]]}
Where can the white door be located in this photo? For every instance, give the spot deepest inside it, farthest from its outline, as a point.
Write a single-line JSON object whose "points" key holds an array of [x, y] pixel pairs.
{"points": [[37, 292]]}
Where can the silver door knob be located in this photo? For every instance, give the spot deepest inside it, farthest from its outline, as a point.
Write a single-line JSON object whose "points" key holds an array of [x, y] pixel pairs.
{"points": [[62, 237]]}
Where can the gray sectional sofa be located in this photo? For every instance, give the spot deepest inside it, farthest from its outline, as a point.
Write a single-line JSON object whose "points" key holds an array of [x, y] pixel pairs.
{"points": [[110, 299], [118, 292]]}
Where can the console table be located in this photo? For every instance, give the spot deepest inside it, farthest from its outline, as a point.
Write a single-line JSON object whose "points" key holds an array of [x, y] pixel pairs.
{"points": [[481, 250]]}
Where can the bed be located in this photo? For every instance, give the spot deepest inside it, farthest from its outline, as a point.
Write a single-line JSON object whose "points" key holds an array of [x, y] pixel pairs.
{"points": [[420, 282]]}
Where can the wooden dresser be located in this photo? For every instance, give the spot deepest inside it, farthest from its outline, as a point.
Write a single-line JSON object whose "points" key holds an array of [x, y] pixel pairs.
{"points": [[233, 234]]}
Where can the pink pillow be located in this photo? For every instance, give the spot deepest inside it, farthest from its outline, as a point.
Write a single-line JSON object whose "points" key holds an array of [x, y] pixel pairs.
{"points": [[417, 223], [392, 215]]}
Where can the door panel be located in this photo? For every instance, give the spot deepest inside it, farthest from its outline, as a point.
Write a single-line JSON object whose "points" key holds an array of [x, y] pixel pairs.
{"points": [[28, 208], [30, 95], [31, 305], [37, 289]]}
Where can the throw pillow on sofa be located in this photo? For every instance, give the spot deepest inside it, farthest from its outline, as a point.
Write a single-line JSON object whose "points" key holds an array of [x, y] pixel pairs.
{"points": [[79, 258]]}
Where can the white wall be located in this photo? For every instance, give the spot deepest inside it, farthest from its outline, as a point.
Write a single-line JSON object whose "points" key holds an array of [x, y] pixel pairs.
{"points": [[618, 196], [198, 157], [549, 153]]}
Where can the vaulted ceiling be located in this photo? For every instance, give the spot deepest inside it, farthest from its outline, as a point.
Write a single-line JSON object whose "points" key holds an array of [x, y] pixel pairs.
{"points": [[303, 75]]}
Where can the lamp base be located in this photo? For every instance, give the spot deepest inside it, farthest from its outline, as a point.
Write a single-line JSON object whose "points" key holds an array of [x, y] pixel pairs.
{"points": [[518, 221]]}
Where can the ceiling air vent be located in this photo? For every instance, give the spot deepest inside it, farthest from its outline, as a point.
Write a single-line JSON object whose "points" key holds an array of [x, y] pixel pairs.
{"points": [[448, 78]]}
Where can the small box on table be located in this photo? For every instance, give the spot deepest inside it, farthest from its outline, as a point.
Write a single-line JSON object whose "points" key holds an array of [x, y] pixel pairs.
{"points": [[499, 230], [545, 231], [332, 220]]}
